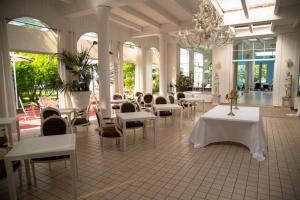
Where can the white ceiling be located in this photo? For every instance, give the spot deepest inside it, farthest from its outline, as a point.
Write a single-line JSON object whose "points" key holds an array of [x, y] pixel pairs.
{"points": [[150, 17]]}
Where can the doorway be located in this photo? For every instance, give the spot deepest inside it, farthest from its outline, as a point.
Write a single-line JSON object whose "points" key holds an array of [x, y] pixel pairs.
{"points": [[253, 62]]}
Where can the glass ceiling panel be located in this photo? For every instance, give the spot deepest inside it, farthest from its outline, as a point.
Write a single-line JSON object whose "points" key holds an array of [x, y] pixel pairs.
{"points": [[29, 23], [259, 3], [231, 5], [228, 5]]}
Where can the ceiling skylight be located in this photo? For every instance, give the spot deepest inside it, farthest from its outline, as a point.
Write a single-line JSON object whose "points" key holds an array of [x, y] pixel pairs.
{"points": [[234, 5], [29, 23], [93, 37]]}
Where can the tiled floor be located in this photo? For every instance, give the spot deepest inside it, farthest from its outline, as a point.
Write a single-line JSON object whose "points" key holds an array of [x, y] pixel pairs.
{"points": [[174, 169]]}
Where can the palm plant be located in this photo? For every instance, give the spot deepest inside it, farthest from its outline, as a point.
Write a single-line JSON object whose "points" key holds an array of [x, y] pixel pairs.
{"points": [[81, 67]]}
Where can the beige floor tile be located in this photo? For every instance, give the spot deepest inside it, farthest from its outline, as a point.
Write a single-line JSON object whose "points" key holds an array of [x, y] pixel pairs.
{"points": [[173, 169]]}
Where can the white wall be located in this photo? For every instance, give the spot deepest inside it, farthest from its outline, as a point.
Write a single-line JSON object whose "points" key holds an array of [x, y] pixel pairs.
{"points": [[287, 47], [222, 64]]}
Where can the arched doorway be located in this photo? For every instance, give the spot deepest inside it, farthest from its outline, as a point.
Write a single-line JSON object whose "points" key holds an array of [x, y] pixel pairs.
{"points": [[130, 52], [32, 45], [88, 41], [155, 69]]}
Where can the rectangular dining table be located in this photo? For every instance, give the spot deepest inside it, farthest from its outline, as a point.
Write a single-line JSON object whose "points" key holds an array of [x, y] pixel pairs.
{"points": [[193, 101], [9, 122], [137, 116], [167, 107], [41, 147], [246, 128]]}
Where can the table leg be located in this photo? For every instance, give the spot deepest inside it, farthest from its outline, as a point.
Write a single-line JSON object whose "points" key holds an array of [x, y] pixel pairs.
{"points": [[74, 173], [154, 130], [10, 180], [27, 172], [10, 138], [180, 118], [18, 130], [158, 116], [145, 130], [124, 135]]}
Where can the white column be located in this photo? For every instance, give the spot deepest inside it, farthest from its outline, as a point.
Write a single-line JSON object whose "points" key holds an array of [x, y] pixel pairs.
{"points": [[148, 71], [120, 67], [103, 57], [143, 70], [163, 64]]}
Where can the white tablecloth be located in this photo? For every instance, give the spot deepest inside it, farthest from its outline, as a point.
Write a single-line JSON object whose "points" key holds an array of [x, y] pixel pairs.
{"points": [[246, 127]]}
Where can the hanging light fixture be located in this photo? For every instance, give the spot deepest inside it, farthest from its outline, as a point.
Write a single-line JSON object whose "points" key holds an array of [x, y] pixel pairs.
{"points": [[208, 31]]}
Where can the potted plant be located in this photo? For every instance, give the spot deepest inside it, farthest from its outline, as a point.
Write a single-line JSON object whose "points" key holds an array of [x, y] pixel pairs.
{"points": [[81, 67], [183, 83]]}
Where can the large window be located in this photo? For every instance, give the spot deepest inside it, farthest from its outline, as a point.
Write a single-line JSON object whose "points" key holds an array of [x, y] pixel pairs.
{"points": [[254, 49], [198, 69], [184, 62]]}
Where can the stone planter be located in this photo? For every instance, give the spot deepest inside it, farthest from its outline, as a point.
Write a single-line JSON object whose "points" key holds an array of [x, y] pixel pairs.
{"points": [[81, 99]]}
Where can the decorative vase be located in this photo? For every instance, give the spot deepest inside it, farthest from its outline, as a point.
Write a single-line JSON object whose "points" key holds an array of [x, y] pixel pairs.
{"points": [[80, 99]]}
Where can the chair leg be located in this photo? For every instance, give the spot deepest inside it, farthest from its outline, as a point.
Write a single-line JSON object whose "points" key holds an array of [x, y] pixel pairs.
{"points": [[33, 171], [65, 163], [101, 143], [134, 136], [50, 167], [20, 176]]}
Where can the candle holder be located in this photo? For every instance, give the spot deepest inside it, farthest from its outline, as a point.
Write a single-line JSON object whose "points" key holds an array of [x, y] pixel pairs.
{"points": [[232, 98]]}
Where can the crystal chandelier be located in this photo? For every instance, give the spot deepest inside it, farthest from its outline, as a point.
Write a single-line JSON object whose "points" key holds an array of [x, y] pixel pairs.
{"points": [[208, 29]]}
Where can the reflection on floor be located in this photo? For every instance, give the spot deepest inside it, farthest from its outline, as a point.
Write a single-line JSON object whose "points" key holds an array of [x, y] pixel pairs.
{"points": [[174, 169], [256, 98]]}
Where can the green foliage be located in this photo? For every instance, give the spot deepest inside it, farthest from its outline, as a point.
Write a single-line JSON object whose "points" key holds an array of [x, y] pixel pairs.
{"points": [[81, 68], [37, 77], [264, 69], [155, 79], [183, 83], [129, 73], [241, 74]]}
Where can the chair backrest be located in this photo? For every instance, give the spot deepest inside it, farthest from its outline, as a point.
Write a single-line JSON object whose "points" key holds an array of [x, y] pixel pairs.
{"points": [[148, 98], [48, 112], [137, 94], [117, 97], [180, 95], [54, 125], [160, 100], [127, 107], [139, 99], [3, 138], [84, 112], [137, 106], [171, 99]]}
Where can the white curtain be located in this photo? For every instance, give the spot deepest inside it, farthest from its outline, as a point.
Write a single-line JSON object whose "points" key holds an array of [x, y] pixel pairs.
{"points": [[148, 71], [66, 41], [7, 98]]}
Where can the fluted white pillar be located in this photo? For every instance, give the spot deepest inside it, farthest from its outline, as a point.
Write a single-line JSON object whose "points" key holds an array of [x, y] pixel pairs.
{"points": [[163, 64], [148, 71], [103, 57]]}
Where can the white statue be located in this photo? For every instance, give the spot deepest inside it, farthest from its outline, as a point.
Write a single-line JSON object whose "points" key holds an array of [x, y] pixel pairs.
{"points": [[216, 84], [288, 84]]}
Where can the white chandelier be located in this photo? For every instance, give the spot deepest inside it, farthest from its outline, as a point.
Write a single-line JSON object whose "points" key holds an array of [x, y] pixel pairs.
{"points": [[208, 31]]}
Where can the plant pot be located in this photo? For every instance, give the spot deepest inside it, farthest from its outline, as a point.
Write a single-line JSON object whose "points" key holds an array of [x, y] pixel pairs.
{"points": [[80, 99]]}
